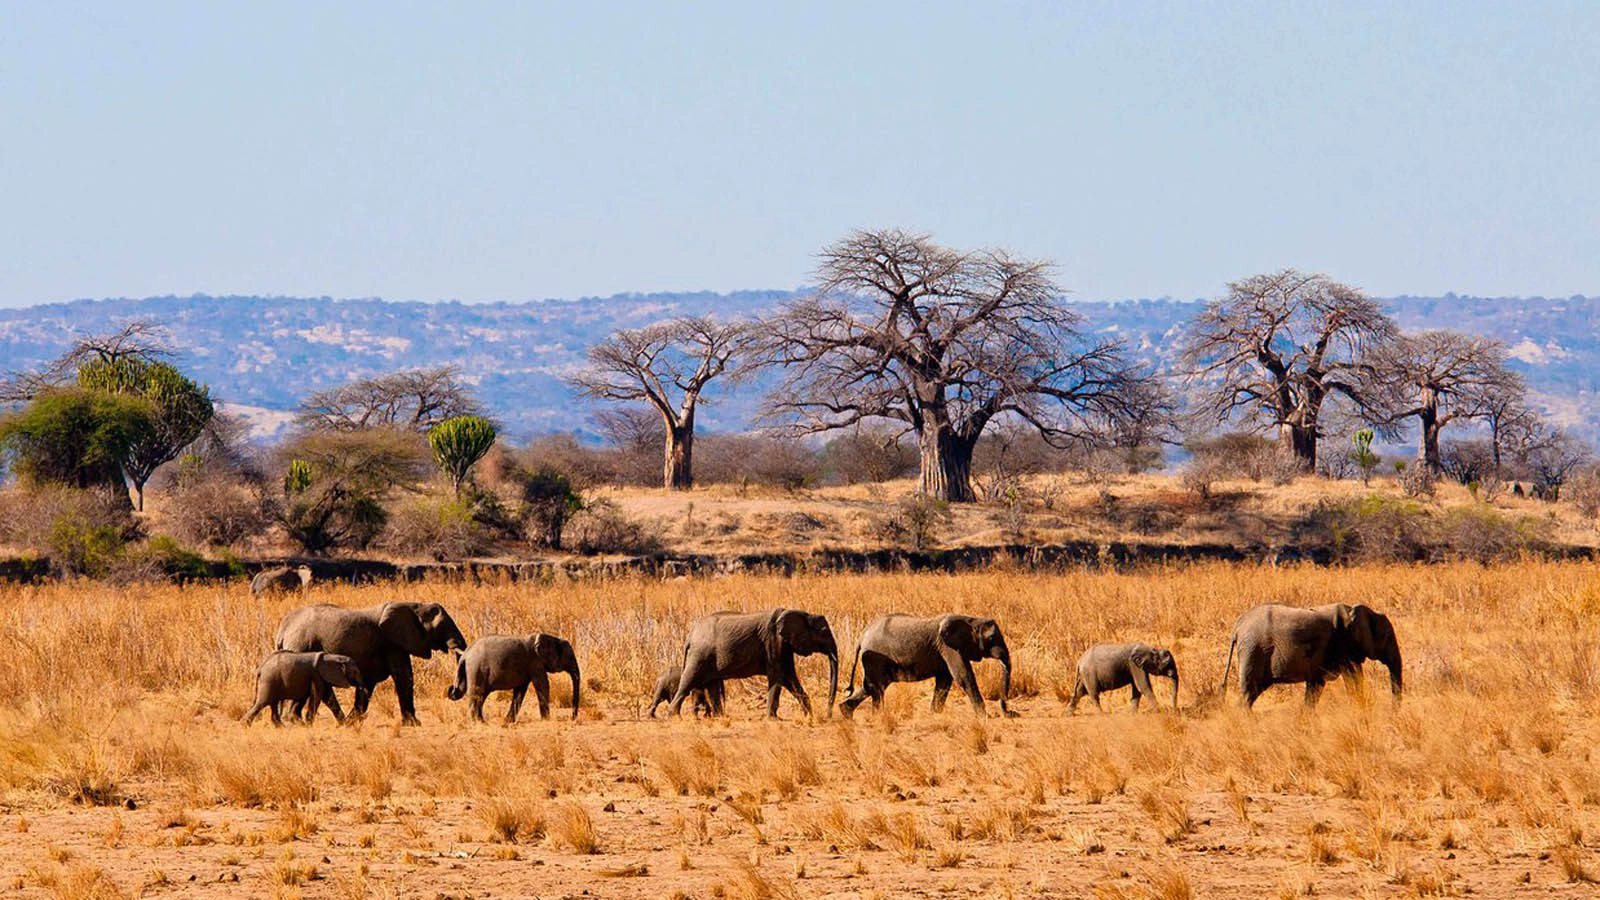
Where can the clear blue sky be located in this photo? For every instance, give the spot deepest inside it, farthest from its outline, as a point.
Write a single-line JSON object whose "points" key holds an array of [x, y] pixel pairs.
{"points": [[488, 151]]}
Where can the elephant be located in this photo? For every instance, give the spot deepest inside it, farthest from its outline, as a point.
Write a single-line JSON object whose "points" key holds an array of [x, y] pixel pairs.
{"points": [[727, 645], [508, 663], [1109, 667], [281, 580], [381, 639], [707, 701], [286, 676], [898, 647], [1289, 645]]}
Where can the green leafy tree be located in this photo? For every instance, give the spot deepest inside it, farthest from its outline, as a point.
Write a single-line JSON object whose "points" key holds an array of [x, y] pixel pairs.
{"points": [[458, 444], [548, 501], [77, 437], [179, 408]]}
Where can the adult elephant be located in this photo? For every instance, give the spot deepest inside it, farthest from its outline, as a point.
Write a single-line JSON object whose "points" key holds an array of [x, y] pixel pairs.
{"points": [[898, 647], [728, 645], [381, 639], [1290, 645]]}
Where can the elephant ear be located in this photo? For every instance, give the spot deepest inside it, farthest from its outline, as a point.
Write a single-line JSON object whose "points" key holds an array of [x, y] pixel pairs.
{"points": [[399, 623], [1142, 657], [549, 651], [789, 628], [957, 633]]}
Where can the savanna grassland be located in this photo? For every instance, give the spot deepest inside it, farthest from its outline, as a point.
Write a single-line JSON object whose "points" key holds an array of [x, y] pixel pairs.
{"points": [[126, 773]]}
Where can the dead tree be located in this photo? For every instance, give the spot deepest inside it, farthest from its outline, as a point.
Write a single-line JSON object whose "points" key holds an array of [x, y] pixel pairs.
{"points": [[944, 342], [143, 341], [1277, 347], [667, 365], [415, 399], [1439, 377]]}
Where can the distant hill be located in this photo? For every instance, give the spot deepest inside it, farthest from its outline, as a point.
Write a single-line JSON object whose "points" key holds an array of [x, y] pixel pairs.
{"points": [[260, 355]]}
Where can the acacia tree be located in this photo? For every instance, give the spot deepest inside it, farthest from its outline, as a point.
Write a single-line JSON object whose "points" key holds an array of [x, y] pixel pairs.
{"points": [[414, 399], [1278, 346], [667, 365], [179, 411], [944, 342], [1439, 377]]}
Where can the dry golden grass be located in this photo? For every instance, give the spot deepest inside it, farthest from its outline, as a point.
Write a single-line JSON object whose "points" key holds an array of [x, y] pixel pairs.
{"points": [[124, 770]]}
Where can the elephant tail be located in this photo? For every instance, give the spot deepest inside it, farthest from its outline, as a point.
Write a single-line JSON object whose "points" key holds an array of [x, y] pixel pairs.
{"points": [[459, 689], [1222, 691]]}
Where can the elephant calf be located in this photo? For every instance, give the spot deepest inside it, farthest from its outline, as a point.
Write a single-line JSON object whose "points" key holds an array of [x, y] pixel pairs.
{"points": [[507, 663], [898, 647], [1110, 667], [707, 701], [304, 679]]}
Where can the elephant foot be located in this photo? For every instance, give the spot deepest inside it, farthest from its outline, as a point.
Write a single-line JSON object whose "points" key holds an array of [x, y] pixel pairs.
{"points": [[410, 720], [1010, 714]]}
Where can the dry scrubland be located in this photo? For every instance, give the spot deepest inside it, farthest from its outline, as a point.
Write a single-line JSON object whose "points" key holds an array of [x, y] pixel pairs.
{"points": [[1481, 782]]}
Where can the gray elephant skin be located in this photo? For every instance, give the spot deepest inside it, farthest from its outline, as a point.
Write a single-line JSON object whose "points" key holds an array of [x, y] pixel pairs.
{"points": [[1290, 645], [381, 639], [898, 647], [509, 663], [728, 645], [281, 580], [706, 701], [303, 679], [1110, 667]]}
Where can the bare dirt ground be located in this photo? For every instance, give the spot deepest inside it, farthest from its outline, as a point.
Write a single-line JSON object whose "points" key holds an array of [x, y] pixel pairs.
{"points": [[1482, 782]]}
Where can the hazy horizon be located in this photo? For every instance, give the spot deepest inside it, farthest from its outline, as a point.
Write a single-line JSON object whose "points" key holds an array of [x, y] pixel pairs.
{"points": [[513, 151]]}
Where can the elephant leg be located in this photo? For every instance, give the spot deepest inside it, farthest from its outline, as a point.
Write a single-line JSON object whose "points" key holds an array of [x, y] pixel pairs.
{"points": [[296, 707], [1077, 694], [697, 672], [791, 680], [941, 690], [358, 705], [1133, 705], [541, 692], [332, 700], [277, 718], [516, 704], [1313, 691], [404, 688], [1254, 678], [255, 711], [714, 697], [476, 704], [860, 694], [313, 703], [961, 671]]}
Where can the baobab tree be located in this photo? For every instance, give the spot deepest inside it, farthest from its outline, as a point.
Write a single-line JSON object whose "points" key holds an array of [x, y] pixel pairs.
{"points": [[1278, 346], [667, 365], [1439, 377], [943, 342]]}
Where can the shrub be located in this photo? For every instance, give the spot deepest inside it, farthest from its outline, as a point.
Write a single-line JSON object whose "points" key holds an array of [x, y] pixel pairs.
{"points": [[746, 459], [213, 509], [916, 521], [548, 503], [1583, 489], [444, 528], [1383, 529], [161, 557], [334, 484], [868, 456], [76, 437], [600, 526], [1416, 481], [83, 531]]}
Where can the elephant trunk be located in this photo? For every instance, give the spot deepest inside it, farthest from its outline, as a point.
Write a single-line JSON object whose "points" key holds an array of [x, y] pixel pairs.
{"points": [[1392, 662], [833, 682], [1174, 689], [1004, 656], [459, 689], [576, 682]]}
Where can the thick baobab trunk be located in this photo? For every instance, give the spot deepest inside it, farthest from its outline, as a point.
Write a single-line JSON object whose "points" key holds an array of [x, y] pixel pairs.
{"points": [[1428, 449], [1299, 441], [678, 473], [946, 466]]}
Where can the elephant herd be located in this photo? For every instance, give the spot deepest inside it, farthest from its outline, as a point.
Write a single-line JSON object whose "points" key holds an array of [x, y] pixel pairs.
{"points": [[322, 647]]}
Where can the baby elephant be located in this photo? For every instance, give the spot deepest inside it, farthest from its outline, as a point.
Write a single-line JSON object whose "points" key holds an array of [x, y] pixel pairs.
{"points": [[304, 679], [506, 663], [1107, 667], [707, 702]]}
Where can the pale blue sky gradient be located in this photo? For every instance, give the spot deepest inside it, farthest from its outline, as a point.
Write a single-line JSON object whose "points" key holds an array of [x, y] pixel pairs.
{"points": [[488, 151]]}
